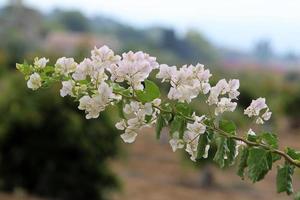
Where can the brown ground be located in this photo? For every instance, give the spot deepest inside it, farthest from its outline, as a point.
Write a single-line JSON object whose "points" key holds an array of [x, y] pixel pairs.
{"points": [[152, 171]]}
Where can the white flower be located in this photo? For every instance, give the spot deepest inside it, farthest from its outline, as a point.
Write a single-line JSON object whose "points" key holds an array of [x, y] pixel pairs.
{"points": [[40, 62], [67, 88], [267, 115], [121, 125], [255, 107], [88, 104], [251, 132], [97, 103], [166, 72], [202, 74], [148, 109], [224, 105], [191, 138], [233, 86], [34, 81], [129, 136], [238, 145], [104, 57], [205, 155], [176, 144], [254, 110], [83, 69], [156, 102], [65, 66], [196, 127], [105, 92], [133, 68], [187, 82]]}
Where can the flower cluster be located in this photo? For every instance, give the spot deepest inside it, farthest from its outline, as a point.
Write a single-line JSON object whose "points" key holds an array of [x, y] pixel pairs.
{"points": [[139, 116], [222, 95], [186, 82], [255, 108], [133, 68], [92, 83]]}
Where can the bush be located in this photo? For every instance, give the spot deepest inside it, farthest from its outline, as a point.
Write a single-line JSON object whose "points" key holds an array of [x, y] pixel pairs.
{"points": [[49, 149]]}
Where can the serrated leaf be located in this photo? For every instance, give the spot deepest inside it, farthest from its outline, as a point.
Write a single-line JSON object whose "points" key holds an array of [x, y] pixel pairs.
{"points": [[150, 92], [222, 148], [202, 142], [242, 162], [227, 126], [270, 139], [160, 122], [284, 179], [259, 162]]}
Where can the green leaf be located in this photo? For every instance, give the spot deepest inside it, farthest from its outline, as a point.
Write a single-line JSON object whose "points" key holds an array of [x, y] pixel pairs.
{"points": [[227, 126], [293, 153], [120, 106], [202, 142], [167, 115], [150, 92], [121, 90], [259, 162], [222, 148], [178, 125], [270, 139], [243, 162], [284, 179], [25, 68], [231, 145], [183, 109], [160, 122]]}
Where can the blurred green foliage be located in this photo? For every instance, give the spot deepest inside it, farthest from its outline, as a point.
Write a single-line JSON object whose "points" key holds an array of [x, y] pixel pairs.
{"points": [[49, 148]]}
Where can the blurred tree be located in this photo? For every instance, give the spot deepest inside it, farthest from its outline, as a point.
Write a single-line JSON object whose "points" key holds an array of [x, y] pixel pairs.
{"points": [[73, 21], [49, 149]]}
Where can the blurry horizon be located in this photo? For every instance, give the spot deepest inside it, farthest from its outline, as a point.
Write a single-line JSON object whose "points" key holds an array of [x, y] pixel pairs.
{"points": [[237, 25]]}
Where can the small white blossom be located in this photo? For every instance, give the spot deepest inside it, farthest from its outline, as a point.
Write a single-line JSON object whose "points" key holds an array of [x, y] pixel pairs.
{"points": [[121, 125], [187, 82], [166, 72], [40, 62], [225, 104], [129, 136], [67, 88], [251, 132], [205, 155], [176, 144], [34, 81], [104, 57], [65, 66], [85, 68], [133, 68], [233, 86], [254, 110], [267, 115]]}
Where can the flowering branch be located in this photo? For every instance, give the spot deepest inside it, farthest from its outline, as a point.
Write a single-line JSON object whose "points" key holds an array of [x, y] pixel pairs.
{"points": [[108, 79]]}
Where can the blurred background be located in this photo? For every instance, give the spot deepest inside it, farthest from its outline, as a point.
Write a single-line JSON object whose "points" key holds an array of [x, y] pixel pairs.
{"points": [[49, 151]]}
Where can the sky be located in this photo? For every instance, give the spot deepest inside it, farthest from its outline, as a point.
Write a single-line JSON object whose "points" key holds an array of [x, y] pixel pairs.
{"points": [[233, 23]]}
